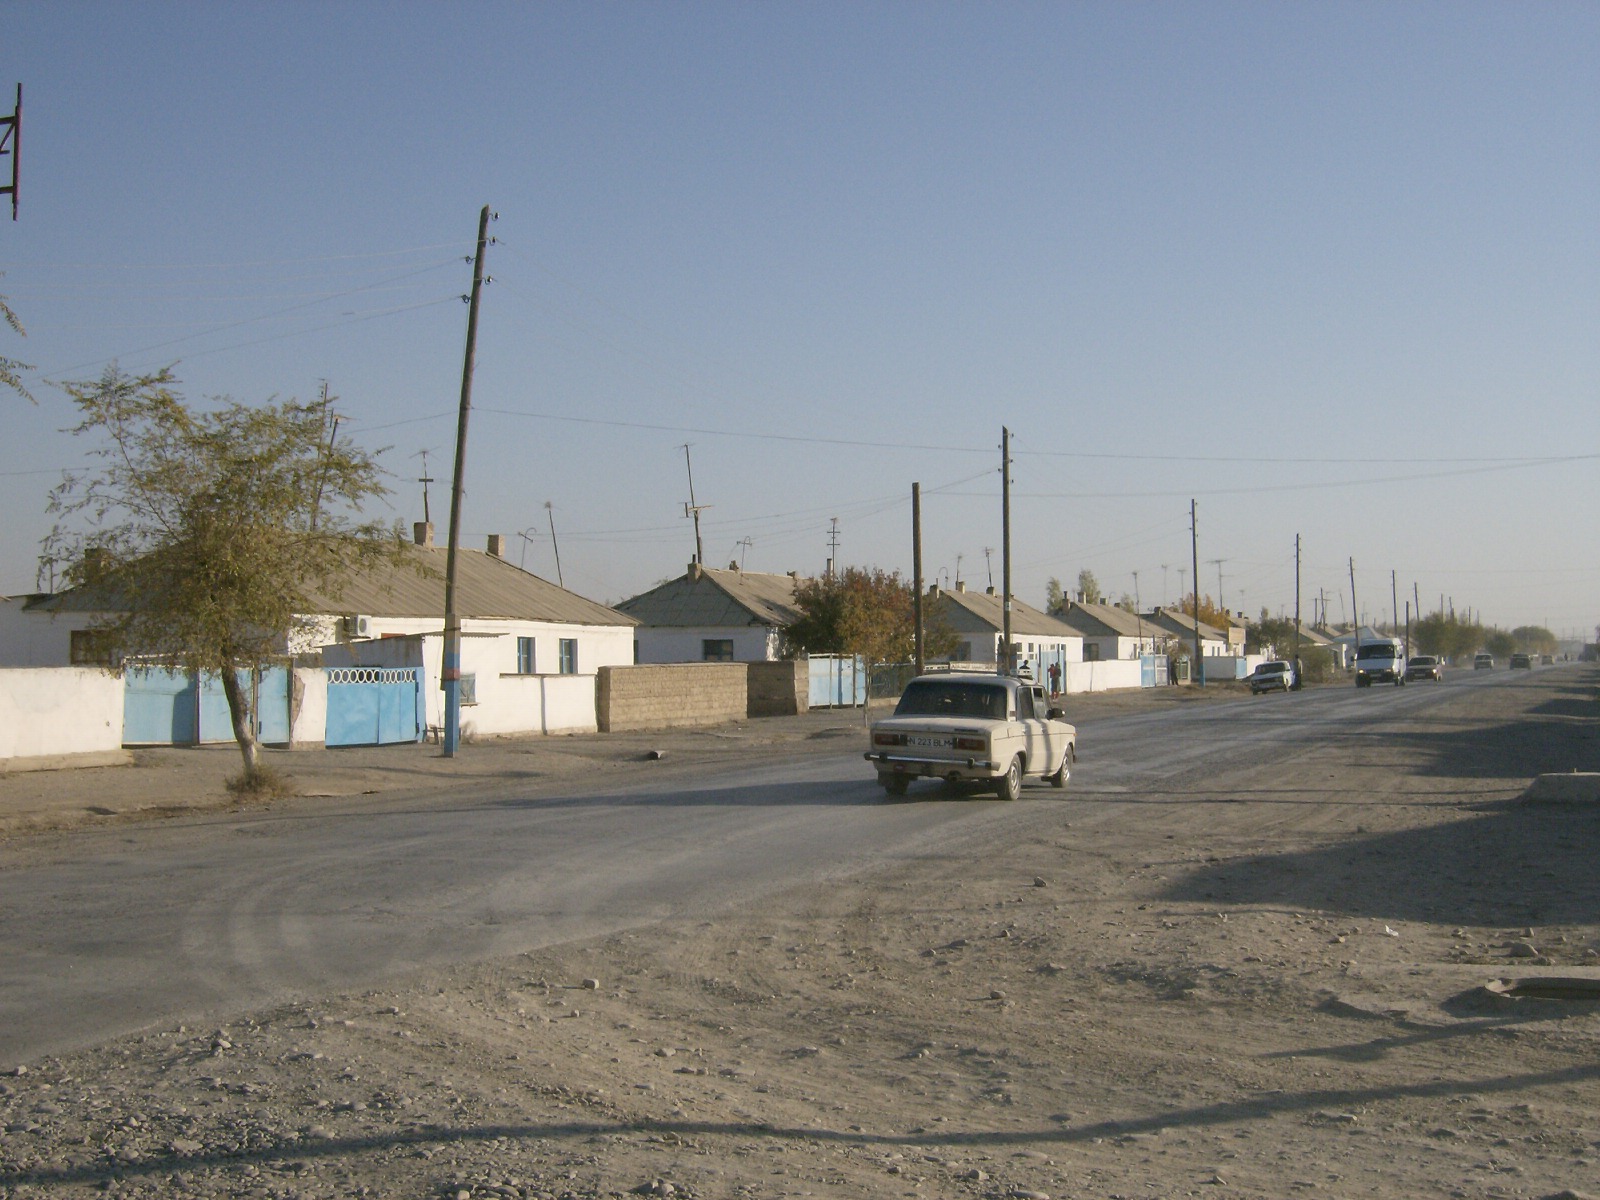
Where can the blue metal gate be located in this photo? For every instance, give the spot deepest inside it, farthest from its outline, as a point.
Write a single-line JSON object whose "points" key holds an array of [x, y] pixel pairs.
{"points": [[837, 681], [163, 707], [374, 706]]}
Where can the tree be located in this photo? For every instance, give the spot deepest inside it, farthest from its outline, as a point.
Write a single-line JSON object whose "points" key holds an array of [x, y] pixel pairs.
{"points": [[1089, 586], [1535, 639], [1209, 613], [1054, 598], [1274, 632], [208, 533], [10, 368], [862, 611]]}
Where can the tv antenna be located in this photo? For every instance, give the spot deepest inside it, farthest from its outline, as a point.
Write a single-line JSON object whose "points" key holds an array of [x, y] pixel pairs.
{"points": [[425, 481]]}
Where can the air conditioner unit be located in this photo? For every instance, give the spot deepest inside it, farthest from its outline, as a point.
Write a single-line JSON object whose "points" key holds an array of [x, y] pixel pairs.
{"points": [[357, 626]]}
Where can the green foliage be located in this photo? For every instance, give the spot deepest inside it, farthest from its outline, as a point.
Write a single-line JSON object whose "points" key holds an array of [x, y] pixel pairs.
{"points": [[1209, 614], [1089, 586], [204, 536], [1499, 643], [1274, 632], [1317, 665], [1447, 636], [10, 369], [1054, 597]]}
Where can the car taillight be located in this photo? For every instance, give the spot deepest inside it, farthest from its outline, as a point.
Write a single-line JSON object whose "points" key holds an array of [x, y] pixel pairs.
{"points": [[971, 743], [888, 739]]}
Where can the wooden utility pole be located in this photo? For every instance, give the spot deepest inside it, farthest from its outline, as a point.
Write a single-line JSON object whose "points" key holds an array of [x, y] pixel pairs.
{"points": [[450, 670], [550, 511], [692, 509], [1354, 607], [1007, 658], [916, 573], [1394, 599], [1298, 682]]}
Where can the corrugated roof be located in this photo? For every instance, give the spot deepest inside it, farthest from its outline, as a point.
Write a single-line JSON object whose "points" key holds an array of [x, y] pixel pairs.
{"points": [[968, 610], [487, 588], [712, 599]]}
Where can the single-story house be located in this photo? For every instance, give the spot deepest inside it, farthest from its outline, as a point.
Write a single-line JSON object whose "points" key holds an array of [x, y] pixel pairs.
{"points": [[530, 650], [978, 621], [1109, 632], [1174, 624], [709, 615]]}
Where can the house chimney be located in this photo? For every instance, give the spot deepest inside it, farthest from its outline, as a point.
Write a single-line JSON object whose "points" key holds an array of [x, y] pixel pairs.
{"points": [[422, 534], [961, 585], [497, 545], [989, 591], [693, 573]]}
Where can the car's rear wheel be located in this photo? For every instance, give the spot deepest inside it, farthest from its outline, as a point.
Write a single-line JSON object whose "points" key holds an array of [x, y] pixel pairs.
{"points": [[895, 785], [1009, 785]]}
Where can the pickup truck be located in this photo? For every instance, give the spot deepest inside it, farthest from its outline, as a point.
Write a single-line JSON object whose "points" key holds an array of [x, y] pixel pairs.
{"points": [[972, 728], [1380, 661]]}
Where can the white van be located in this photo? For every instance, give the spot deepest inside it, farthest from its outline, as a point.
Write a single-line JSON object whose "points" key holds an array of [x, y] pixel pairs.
{"points": [[1381, 661]]}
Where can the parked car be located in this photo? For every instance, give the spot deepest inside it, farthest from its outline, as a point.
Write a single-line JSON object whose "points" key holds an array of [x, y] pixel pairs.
{"points": [[1483, 662], [1424, 666], [1271, 676], [1521, 662], [1546, 660], [971, 728]]}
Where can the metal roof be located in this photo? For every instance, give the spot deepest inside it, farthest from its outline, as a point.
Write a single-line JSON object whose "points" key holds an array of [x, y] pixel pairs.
{"points": [[705, 598]]}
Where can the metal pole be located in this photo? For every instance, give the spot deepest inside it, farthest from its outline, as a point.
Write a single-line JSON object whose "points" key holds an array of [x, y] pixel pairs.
{"points": [[916, 572], [1298, 682], [450, 668], [1355, 608], [1008, 662], [550, 511]]}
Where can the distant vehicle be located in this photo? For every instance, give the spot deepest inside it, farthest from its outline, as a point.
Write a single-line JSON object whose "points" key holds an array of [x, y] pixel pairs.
{"points": [[1424, 666], [989, 729], [1521, 662], [1546, 660], [1271, 676], [1483, 662], [1381, 661]]}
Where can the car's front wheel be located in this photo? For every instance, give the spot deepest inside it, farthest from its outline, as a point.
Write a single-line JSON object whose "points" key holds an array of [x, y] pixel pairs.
{"points": [[1009, 785], [1063, 772]]}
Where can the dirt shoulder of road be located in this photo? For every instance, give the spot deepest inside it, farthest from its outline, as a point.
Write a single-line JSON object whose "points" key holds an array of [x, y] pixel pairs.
{"points": [[149, 784], [1259, 981]]}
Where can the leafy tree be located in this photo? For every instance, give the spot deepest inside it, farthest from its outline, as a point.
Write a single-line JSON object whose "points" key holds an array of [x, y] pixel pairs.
{"points": [[209, 533], [1446, 635], [1499, 643], [1209, 613], [1535, 639], [862, 611], [1089, 586], [1054, 598], [10, 368], [1274, 632]]}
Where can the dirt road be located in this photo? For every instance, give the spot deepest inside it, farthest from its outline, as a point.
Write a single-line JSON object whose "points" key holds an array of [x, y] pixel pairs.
{"points": [[1254, 982]]}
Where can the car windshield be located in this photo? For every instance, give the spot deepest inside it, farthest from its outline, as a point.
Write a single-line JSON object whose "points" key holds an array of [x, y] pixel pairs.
{"points": [[1376, 650], [1272, 668], [952, 698], [1422, 660]]}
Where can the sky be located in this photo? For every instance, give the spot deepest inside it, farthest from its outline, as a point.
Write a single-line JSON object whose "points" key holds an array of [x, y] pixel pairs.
{"points": [[1327, 270]]}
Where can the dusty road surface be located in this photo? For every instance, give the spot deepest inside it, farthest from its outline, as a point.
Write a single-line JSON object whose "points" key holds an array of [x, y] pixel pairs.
{"points": [[1244, 954]]}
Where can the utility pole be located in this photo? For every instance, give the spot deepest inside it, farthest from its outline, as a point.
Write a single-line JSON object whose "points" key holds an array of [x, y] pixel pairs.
{"points": [[833, 545], [692, 509], [11, 145], [1163, 585], [1218, 563], [1354, 607], [1194, 555], [916, 573], [427, 517], [1394, 599], [1298, 682], [550, 511], [1008, 658], [988, 565], [322, 475], [450, 669]]}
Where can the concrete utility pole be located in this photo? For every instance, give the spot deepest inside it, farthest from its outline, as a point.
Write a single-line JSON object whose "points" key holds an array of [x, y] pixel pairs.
{"points": [[450, 670], [1194, 555], [1007, 657], [1394, 599], [916, 572], [1353, 606], [1298, 682]]}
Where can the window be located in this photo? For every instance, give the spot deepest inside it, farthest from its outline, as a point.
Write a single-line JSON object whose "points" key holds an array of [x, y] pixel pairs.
{"points": [[716, 650], [569, 656], [89, 647], [525, 659], [1091, 652], [469, 688], [1024, 704]]}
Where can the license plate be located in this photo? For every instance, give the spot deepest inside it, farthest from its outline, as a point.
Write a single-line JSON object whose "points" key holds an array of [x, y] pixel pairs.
{"points": [[929, 743]]}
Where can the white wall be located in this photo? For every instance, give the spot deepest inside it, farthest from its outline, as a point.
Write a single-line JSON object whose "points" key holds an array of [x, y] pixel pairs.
{"points": [[50, 711], [37, 639], [751, 643], [1105, 675], [309, 724]]}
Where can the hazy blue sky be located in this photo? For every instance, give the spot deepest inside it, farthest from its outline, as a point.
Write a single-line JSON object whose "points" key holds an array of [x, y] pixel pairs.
{"points": [[1329, 269]]}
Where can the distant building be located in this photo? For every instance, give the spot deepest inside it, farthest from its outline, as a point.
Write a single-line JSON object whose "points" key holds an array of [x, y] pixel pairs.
{"points": [[708, 615]]}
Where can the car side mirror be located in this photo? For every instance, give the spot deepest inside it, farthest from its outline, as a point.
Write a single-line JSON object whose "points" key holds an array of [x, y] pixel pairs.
{"points": [[1054, 714]]}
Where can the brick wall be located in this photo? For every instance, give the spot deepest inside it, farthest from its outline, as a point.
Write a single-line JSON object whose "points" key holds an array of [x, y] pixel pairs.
{"points": [[671, 694], [779, 689]]}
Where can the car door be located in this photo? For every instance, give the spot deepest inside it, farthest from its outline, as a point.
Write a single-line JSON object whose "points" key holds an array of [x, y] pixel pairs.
{"points": [[1041, 741]]}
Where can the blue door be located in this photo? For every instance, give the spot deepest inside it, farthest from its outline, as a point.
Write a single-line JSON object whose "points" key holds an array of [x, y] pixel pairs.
{"points": [[160, 707], [374, 706]]}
